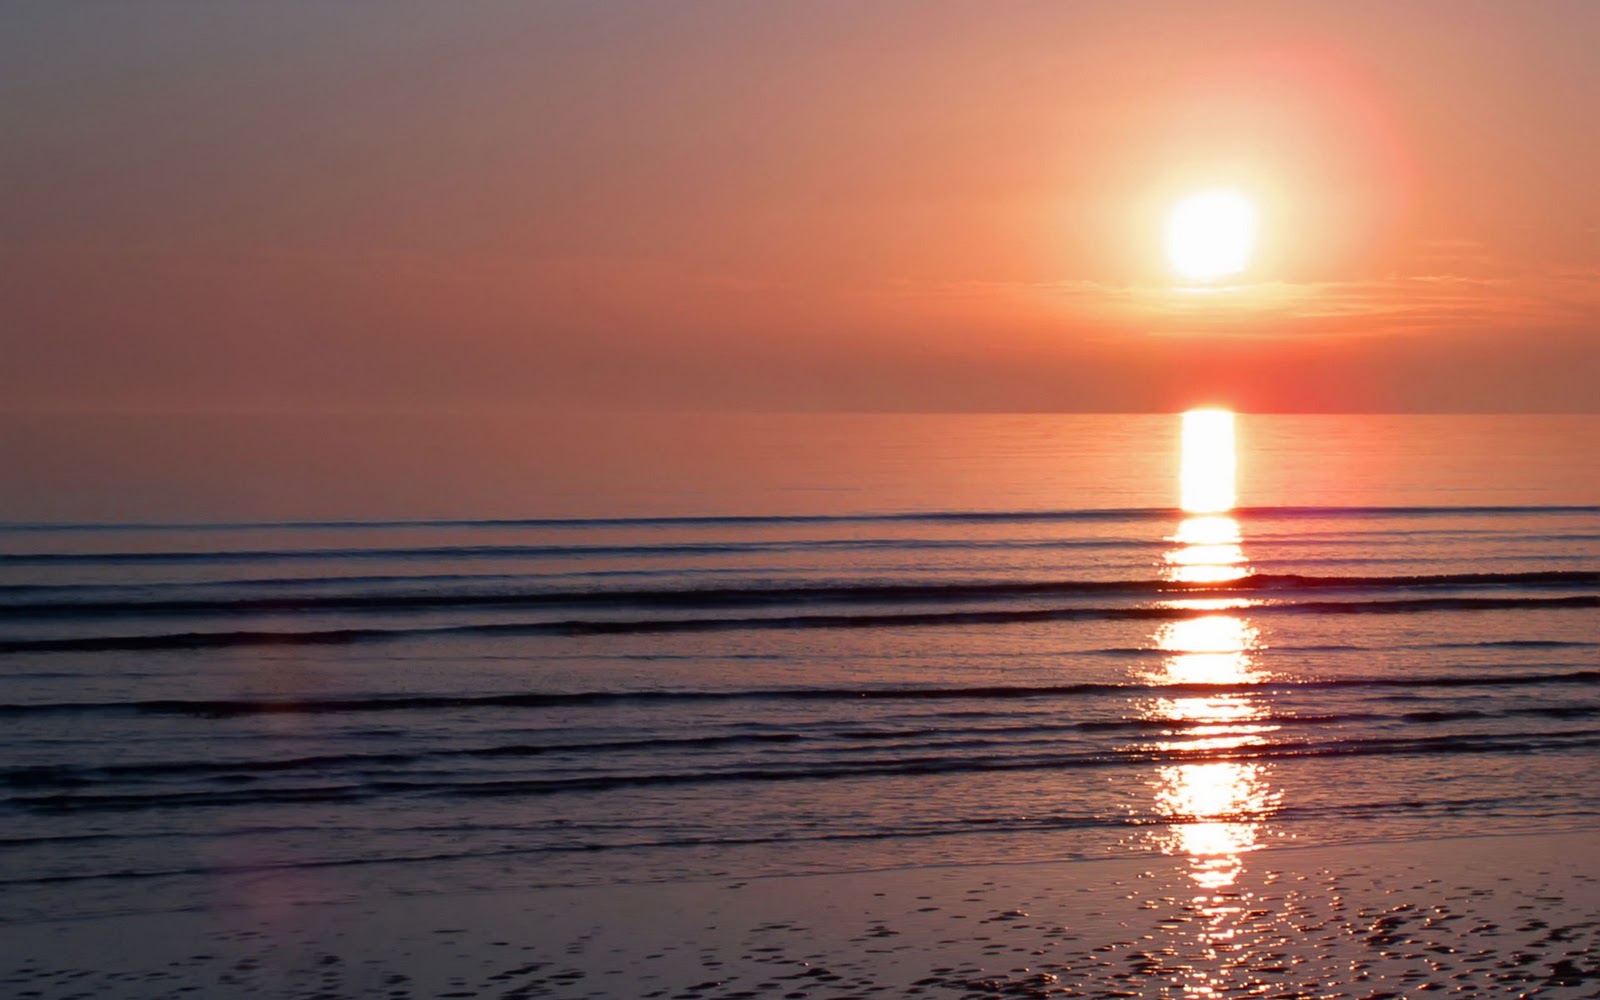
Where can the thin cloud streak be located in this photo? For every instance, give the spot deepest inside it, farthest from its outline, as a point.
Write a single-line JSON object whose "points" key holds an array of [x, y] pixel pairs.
{"points": [[1418, 304]]}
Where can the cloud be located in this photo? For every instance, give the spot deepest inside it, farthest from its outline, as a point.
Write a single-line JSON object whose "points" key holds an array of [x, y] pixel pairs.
{"points": [[1406, 305]]}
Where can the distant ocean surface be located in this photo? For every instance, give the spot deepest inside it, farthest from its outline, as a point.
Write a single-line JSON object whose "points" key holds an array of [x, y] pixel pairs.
{"points": [[245, 660]]}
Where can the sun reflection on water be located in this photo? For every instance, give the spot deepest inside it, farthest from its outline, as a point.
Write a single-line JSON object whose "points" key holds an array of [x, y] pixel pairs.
{"points": [[1213, 800], [1212, 806], [1218, 806], [1207, 549], [1206, 473]]}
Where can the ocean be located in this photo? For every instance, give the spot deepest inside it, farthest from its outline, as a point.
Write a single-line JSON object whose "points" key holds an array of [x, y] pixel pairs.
{"points": [[253, 660]]}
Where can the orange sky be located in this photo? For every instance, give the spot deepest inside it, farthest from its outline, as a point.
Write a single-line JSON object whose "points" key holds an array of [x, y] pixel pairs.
{"points": [[806, 205]]}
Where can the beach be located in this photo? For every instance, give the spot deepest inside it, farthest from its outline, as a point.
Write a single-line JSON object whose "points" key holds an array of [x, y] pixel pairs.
{"points": [[1507, 916]]}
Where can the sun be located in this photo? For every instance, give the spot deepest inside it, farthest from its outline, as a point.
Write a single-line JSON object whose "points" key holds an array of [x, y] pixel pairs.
{"points": [[1210, 235]]}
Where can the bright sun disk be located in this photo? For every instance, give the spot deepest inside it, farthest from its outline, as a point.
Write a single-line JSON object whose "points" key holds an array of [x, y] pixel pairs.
{"points": [[1211, 234]]}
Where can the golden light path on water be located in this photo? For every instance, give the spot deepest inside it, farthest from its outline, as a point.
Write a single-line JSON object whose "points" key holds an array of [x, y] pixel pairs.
{"points": [[1207, 462], [1214, 807]]}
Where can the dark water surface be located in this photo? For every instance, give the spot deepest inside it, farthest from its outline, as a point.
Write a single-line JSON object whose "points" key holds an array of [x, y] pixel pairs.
{"points": [[679, 647]]}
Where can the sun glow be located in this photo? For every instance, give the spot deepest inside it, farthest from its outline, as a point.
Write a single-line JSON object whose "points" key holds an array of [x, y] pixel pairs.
{"points": [[1210, 235]]}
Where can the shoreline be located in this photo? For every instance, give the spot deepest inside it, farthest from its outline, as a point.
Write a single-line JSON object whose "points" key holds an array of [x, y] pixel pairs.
{"points": [[1485, 915]]}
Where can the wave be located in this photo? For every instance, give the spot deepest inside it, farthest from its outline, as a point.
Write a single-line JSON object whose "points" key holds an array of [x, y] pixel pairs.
{"points": [[225, 708], [574, 627], [333, 790], [711, 597], [733, 520], [826, 739]]}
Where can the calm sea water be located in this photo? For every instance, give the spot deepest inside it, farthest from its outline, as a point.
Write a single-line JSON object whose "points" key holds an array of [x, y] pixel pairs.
{"points": [[253, 660]]}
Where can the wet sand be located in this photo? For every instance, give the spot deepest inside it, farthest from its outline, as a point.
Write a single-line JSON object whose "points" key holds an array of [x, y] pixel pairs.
{"points": [[1487, 916]]}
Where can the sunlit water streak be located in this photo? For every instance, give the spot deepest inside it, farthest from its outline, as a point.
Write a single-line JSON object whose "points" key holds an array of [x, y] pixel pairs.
{"points": [[1208, 462], [1216, 808]]}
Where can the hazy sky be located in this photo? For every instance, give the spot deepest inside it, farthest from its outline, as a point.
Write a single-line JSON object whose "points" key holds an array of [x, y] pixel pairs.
{"points": [[862, 204]]}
